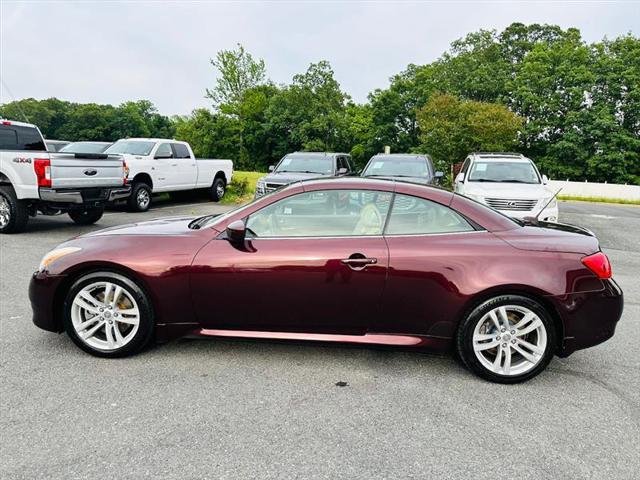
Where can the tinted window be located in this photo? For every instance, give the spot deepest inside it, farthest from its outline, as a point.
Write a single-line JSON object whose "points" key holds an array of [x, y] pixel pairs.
{"points": [[306, 163], [14, 137], [414, 216], [180, 151], [131, 147], [323, 214], [397, 167], [465, 166], [164, 150], [497, 171], [342, 163]]}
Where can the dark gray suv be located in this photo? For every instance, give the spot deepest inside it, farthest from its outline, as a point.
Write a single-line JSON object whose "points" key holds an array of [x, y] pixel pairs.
{"points": [[414, 168], [303, 165]]}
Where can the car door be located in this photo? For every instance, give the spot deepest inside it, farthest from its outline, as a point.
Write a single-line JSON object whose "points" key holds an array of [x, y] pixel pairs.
{"points": [[430, 246], [186, 172], [165, 168], [315, 262]]}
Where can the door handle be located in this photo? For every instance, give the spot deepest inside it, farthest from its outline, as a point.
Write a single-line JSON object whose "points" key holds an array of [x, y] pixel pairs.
{"points": [[174, 164], [357, 261]]}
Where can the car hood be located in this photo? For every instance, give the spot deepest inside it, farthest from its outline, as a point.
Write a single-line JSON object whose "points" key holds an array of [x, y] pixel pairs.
{"points": [[158, 226], [551, 237], [290, 177], [508, 190]]}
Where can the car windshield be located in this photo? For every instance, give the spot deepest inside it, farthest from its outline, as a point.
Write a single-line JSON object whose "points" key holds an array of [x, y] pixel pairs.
{"points": [[131, 147], [397, 167], [85, 147], [306, 164], [503, 171]]}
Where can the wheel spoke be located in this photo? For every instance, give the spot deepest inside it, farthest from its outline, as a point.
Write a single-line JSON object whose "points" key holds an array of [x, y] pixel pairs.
{"points": [[529, 328], [117, 335], [482, 337], [82, 303], [90, 299], [84, 325], [479, 347], [498, 359], [108, 329], [507, 360], [502, 313], [89, 333], [116, 295], [535, 349], [526, 355], [108, 287], [130, 316], [494, 319]]}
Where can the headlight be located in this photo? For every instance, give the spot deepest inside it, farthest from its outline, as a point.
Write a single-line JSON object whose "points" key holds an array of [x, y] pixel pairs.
{"points": [[54, 255]]}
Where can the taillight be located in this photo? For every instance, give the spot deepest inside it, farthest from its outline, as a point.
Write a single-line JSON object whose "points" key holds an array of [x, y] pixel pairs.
{"points": [[599, 264], [126, 172], [42, 167]]}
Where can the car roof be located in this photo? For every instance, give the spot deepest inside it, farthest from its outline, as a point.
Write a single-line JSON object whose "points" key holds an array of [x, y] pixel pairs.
{"points": [[499, 156], [391, 156], [327, 154], [94, 142], [49, 140], [150, 140], [6, 121]]}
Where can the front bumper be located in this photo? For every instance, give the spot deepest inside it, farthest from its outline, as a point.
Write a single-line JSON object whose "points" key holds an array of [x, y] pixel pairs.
{"points": [[589, 318], [82, 196], [42, 295]]}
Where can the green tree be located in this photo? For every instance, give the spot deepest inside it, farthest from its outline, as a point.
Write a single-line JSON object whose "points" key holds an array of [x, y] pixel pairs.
{"points": [[451, 128]]}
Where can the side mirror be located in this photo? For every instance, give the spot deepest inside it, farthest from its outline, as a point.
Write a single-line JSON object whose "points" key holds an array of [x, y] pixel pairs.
{"points": [[460, 178], [271, 168], [236, 232], [342, 171], [438, 176], [545, 179]]}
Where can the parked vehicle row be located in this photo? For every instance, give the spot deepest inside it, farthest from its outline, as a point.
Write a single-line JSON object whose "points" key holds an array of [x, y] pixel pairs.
{"points": [[82, 177], [33, 180], [356, 260]]}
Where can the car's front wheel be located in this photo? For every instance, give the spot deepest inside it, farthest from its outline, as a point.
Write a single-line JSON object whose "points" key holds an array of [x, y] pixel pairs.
{"points": [[217, 189], [108, 315], [507, 339], [140, 199]]}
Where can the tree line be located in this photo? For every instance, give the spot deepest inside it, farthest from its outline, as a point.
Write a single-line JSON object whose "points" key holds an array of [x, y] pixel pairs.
{"points": [[541, 90]]}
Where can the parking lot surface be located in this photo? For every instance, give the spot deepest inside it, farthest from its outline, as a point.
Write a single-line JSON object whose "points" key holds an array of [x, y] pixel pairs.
{"points": [[241, 409]]}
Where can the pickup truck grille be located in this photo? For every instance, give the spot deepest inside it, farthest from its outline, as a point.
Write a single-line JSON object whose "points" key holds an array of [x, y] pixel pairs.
{"points": [[511, 204]]}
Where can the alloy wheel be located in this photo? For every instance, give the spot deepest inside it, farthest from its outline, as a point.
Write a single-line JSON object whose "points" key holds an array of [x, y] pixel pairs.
{"points": [[5, 212], [220, 190], [510, 340], [143, 198], [105, 316]]}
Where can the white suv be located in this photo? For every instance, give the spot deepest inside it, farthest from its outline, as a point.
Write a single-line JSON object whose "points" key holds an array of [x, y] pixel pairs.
{"points": [[508, 182]]}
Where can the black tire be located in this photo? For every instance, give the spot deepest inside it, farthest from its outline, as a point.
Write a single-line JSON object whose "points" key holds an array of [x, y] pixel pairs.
{"points": [[464, 340], [17, 211], [217, 189], [140, 198], [88, 216], [146, 325]]}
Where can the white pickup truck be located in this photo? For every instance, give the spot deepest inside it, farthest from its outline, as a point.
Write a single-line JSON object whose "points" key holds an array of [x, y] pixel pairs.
{"points": [[162, 165], [33, 180]]}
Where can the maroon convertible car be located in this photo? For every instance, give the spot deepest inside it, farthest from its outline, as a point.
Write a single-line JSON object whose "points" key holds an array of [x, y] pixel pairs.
{"points": [[348, 260]]}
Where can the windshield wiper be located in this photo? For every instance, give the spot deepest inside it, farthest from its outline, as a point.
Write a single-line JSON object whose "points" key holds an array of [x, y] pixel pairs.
{"points": [[198, 222], [298, 171], [514, 181], [483, 180]]}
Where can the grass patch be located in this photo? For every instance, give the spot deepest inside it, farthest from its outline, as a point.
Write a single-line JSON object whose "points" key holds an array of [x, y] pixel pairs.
{"points": [[242, 187], [599, 199]]}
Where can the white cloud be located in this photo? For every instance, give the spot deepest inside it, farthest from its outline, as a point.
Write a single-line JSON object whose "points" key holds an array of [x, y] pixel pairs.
{"points": [[109, 52]]}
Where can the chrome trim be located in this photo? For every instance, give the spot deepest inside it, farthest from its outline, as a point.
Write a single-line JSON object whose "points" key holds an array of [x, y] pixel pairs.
{"points": [[75, 196]]}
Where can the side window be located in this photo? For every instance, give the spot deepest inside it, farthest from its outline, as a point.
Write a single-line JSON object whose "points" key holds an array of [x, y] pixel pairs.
{"points": [[180, 151], [164, 151], [325, 213], [341, 163], [14, 137], [465, 166], [8, 138], [417, 216]]}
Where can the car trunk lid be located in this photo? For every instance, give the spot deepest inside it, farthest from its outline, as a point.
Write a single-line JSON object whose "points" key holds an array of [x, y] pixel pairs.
{"points": [[82, 170], [551, 237]]}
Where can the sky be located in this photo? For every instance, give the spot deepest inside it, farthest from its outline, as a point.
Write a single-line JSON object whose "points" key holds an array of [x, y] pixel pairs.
{"points": [[114, 51]]}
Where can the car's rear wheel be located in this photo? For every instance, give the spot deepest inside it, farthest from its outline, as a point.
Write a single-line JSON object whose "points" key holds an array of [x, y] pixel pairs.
{"points": [[507, 339], [140, 199], [217, 189], [88, 216], [108, 315], [14, 213]]}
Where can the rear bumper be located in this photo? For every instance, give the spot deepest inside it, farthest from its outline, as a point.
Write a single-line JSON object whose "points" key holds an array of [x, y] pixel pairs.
{"points": [[42, 292], [82, 196], [589, 318]]}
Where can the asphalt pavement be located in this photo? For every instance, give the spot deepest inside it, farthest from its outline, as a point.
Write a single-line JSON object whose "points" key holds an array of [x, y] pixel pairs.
{"points": [[233, 409]]}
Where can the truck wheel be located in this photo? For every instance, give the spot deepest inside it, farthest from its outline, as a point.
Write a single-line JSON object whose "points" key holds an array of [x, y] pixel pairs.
{"points": [[14, 213], [140, 199], [88, 216], [217, 190]]}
